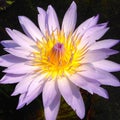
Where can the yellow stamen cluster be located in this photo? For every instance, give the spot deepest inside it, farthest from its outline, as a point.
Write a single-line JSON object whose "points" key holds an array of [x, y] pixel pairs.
{"points": [[58, 54]]}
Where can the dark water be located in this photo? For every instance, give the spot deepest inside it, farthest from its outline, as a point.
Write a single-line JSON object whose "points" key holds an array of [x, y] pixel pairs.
{"points": [[97, 108]]}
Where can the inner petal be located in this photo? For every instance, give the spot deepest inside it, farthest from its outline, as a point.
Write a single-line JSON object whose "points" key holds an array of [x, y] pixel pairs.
{"points": [[56, 54]]}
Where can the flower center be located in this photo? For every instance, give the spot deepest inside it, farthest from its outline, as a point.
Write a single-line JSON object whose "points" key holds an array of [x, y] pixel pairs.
{"points": [[58, 54]]}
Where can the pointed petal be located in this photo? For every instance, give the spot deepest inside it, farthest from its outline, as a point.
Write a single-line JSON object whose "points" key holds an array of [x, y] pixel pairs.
{"points": [[82, 82], [11, 78], [30, 28], [33, 95], [86, 25], [77, 103], [108, 43], [53, 23], [65, 89], [52, 110], [100, 91], [18, 38], [9, 43], [21, 103], [69, 20], [23, 85], [96, 55], [108, 78], [19, 52], [99, 75], [88, 70], [49, 92], [24, 38], [37, 82], [107, 65], [93, 34], [20, 68], [8, 60], [72, 96], [42, 20]]}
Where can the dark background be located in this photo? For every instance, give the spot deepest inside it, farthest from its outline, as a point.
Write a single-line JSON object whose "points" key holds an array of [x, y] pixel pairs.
{"points": [[97, 108]]}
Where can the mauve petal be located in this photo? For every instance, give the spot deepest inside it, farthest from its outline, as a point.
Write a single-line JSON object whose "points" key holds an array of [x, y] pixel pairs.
{"points": [[72, 96], [9, 43], [77, 102], [38, 81], [100, 91], [23, 85], [65, 89], [99, 75], [96, 55], [20, 68], [88, 70], [93, 34], [108, 78], [83, 82], [34, 94], [32, 89], [86, 25], [50, 91], [52, 110], [42, 20], [108, 43], [21, 103], [18, 38], [107, 65], [69, 20], [8, 60], [30, 28], [19, 52], [52, 20], [11, 78], [91, 87]]}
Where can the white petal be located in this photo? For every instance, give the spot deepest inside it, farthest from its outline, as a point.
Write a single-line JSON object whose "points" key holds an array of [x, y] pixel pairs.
{"points": [[30, 28], [107, 65], [86, 25], [96, 55], [77, 103], [42, 20], [108, 43], [90, 71], [99, 75], [69, 20], [72, 96], [8, 60], [34, 94], [52, 110], [9, 44], [19, 38], [21, 103], [20, 68], [11, 78], [53, 23], [25, 38], [108, 78], [100, 91], [38, 82], [82, 82], [19, 52], [34, 89], [50, 91], [93, 34], [65, 89], [22, 86]]}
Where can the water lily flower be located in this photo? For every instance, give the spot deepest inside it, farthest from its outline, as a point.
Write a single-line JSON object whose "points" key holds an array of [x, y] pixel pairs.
{"points": [[58, 61]]}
